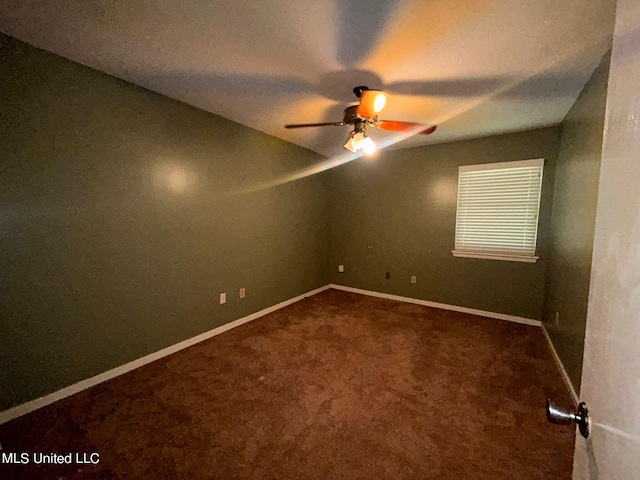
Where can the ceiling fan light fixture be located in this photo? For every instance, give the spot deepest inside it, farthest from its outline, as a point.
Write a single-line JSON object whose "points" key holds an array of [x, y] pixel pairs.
{"points": [[379, 102], [359, 141], [371, 103], [368, 147], [353, 141]]}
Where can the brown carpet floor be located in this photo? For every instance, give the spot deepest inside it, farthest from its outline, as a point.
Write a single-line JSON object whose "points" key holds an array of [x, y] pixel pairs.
{"points": [[337, 386]]}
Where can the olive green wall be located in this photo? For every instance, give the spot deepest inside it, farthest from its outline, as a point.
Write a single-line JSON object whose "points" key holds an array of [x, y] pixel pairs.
{"points": [[397, 214], [122, 219], [573, 222]]}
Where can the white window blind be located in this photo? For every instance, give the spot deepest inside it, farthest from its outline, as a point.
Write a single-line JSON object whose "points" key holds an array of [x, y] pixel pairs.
{"points": [[498, 205]]}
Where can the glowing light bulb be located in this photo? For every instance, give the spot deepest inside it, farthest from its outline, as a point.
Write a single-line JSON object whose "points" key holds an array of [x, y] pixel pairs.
{"points": [[379, 102], [368, 147]]}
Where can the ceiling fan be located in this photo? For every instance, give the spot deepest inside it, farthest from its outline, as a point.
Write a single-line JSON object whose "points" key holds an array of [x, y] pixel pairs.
{"points": [[363, 114]]}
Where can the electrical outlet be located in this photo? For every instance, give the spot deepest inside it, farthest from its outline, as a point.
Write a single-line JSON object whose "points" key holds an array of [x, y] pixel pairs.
{"points": [[223, 298], [387, 275], [557, 318], [242, 293], [341, 268], [413, 279]]}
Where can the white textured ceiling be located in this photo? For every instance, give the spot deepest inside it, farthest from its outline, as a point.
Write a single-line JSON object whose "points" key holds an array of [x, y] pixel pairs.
{"points": [[474, 67]]}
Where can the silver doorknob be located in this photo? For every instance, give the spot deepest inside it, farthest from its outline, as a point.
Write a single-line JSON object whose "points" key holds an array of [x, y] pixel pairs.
{"points": [[561, 416]]}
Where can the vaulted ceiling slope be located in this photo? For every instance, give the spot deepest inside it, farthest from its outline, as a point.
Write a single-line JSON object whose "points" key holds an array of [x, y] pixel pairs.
{"points": [[474, 67]]}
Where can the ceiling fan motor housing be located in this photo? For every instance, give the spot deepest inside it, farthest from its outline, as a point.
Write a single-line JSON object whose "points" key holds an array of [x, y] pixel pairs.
{"points": [[351, 115]]}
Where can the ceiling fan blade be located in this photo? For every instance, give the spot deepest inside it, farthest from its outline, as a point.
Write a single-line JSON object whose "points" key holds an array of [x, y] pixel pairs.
{"points": [[304, 125], [396, 126], [371, 103]]}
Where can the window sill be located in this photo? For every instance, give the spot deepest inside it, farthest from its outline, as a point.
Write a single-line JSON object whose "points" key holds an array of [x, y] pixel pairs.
{"points": [[489, 256]]}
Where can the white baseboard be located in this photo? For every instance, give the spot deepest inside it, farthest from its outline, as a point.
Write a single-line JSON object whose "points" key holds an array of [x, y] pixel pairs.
{"points": [[32, 405], [443, 306], [560, 365]]}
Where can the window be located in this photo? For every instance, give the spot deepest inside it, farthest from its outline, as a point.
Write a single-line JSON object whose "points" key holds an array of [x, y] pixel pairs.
{"points": [[498, 206]]}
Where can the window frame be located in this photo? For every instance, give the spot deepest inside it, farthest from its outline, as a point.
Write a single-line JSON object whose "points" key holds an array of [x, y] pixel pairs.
{"points": [[537, 162]]}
